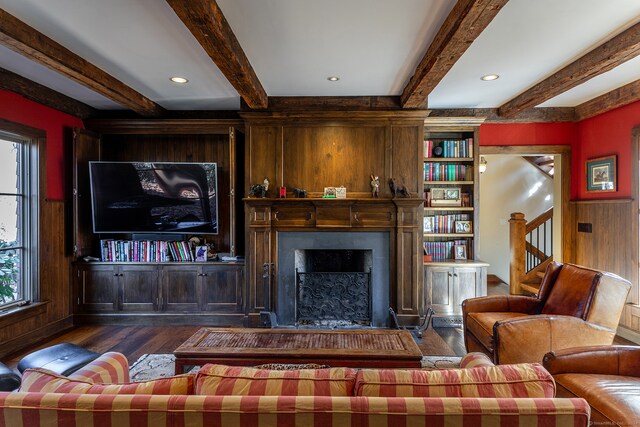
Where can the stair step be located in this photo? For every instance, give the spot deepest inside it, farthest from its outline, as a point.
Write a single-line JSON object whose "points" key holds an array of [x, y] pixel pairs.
{"points": [[530, 287], [540, 274]]}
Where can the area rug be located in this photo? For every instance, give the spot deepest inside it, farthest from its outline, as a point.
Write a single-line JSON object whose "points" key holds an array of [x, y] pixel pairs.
{"points": [[151, 366]]}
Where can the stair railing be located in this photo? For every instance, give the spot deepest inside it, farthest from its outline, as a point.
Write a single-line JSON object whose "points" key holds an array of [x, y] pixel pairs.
{"points": [[530, 245]]}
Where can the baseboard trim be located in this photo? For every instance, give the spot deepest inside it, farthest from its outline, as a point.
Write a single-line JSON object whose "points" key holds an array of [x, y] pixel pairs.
{"points": [[33, 337], [628, 334]]}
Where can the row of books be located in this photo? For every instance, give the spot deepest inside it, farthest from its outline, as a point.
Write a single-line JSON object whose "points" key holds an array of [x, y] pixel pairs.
{"points": [[145, 251], [446, 223], [465, 199], [434, 171], [442, 251], [449, 148]]}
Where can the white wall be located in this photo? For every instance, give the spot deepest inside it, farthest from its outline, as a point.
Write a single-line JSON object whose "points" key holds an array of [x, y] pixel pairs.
{"points": [[510, 184]]}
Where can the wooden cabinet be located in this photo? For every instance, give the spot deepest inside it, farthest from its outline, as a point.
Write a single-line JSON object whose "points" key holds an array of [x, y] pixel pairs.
{"points": [[160, 289], [96, 288], [447, 284], [220, 290]]}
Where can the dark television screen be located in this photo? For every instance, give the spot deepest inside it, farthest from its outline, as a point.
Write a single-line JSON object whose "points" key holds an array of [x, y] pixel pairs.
{"points": [[132, 197]]}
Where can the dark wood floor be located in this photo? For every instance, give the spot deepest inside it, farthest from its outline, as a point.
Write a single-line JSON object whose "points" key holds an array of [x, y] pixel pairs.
{"points": [[134, 341]]}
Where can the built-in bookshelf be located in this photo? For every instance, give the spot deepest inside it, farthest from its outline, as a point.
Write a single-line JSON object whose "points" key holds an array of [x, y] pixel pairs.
{"points": [[145, 251], [450, 180]]}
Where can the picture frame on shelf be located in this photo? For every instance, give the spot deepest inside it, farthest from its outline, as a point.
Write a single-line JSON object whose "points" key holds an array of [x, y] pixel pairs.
{"points": [[445, 196], [601, 174], [201, 253], [428, 224], [465, 227], [460, 252]]}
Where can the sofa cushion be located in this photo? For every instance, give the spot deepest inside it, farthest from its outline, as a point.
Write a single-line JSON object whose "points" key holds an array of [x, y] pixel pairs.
{"points": [[42, 380], [524, 380], [475, 360], [244, 381], [481, 325], [614, 399]]}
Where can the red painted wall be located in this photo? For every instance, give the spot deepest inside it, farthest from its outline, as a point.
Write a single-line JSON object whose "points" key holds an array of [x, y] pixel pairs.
{"points": [[603, 135], [17, 109]]}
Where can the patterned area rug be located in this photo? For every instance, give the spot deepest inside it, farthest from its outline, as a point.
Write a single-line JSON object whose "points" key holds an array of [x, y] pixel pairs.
{"points": [[150, 366]]}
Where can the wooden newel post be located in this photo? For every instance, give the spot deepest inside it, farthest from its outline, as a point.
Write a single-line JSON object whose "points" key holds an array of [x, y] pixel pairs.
{"points": [[517, 248]]}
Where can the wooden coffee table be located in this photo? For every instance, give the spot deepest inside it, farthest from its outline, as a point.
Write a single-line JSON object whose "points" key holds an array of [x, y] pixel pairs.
{"points": [[376, 348]]}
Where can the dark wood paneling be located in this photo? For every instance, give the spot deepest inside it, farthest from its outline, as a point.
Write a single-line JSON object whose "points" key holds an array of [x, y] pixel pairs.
{"points": [[407, 152], [180, 148], [331, 156], [261, 156], [609, 246], [86, 147]]}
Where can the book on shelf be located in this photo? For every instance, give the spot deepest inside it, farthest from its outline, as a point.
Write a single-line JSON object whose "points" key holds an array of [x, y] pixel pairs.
{"points": [[444, 223], [456, 148], [112, 250], [434, 171], [442, 251]]}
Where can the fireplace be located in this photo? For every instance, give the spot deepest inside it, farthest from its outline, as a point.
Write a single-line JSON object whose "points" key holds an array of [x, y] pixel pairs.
{"points": [[331, 279], [333, 287]]}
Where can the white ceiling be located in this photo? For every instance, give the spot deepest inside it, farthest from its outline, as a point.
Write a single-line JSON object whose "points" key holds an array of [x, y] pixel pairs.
{"points": [[294, 45]]}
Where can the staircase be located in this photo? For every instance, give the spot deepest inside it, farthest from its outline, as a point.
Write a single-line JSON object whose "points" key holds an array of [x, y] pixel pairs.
{"points": [[543, 163], [531, 247]]}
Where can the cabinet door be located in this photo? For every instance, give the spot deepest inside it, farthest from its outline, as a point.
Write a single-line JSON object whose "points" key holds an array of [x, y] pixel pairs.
{"points": [[96, 288], [138, 288], [222, 288], [180, 289], [470, 282], [439, 292]]}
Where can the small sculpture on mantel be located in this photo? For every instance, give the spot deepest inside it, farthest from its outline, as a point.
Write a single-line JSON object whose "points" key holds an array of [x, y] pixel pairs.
{"points": [[375, 186], [300, 193], [396, 189], [259, 190]]}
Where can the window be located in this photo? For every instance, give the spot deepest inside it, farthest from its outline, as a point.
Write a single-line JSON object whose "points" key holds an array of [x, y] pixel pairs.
{"points": [[18, 220]]}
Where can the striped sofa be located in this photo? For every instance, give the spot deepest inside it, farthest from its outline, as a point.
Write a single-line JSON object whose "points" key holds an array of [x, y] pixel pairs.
{"points": [[479, 394]]}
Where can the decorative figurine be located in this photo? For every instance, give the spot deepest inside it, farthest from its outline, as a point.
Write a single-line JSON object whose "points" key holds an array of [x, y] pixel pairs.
{"points": [[257, 190], [398, 189], [265, 184], [375, 186], [283, 192], [300, 193]]}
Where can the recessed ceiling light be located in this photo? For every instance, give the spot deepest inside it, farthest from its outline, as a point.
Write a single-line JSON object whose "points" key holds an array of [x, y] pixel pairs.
{"points": [[490, 77], [180, 80], [333, 78]]}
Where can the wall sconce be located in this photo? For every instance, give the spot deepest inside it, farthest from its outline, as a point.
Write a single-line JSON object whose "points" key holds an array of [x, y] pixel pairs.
{"points": [[483, 164]]}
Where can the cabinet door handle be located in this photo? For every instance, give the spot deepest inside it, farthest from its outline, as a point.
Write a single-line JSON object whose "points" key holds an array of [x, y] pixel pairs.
{"points": [[450, 274], [204, 274], [455, 274]]}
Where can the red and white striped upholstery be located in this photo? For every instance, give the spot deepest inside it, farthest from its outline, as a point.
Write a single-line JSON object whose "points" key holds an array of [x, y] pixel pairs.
{"points": [[42, 380], [74, 410], [221, 380], [110, 368], [525, 380], [475, 360]]}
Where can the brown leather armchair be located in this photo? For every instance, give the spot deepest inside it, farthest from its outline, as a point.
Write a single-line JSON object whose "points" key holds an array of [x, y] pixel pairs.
{"points": [[576, 306], [608, 377]]}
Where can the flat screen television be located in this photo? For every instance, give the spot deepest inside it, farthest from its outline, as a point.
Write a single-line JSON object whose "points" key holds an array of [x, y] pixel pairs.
{"points": [[154, 197]]}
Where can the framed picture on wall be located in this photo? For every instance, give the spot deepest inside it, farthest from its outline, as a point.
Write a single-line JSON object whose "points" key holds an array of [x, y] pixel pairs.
{"points": [[601, 174]]}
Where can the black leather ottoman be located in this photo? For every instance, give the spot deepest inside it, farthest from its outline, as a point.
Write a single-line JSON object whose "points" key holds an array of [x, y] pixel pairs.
{"points": [[63, 359], [9, 380]]}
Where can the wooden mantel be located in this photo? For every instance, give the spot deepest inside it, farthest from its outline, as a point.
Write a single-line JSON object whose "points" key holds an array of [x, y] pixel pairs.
{"points": [[400, 217]]}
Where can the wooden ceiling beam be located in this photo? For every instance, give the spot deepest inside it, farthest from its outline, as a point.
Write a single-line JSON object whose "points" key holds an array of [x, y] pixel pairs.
{"points": [[43, 95], [619, 49], [209, 26], [467, 20], [532, 115], [616, 98], [27, 41]]}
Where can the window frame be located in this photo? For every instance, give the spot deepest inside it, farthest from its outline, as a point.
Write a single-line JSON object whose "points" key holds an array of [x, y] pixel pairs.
{"points": [[31, 141]]}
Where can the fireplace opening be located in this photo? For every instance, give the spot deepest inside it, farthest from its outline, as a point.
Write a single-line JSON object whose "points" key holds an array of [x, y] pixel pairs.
{"points": [[333, 287]]}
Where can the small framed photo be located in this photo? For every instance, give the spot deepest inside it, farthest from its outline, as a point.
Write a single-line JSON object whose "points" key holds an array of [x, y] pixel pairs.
{"points": [[341, 192], [201, 253], [601, 174], [460, 251], [463, 227], [428, 224], [329, 191]]}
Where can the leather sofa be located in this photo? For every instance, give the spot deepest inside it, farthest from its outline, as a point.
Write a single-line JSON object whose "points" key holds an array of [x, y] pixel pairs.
{"points": [[239, 396], [608, 377], [576, 306]]}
